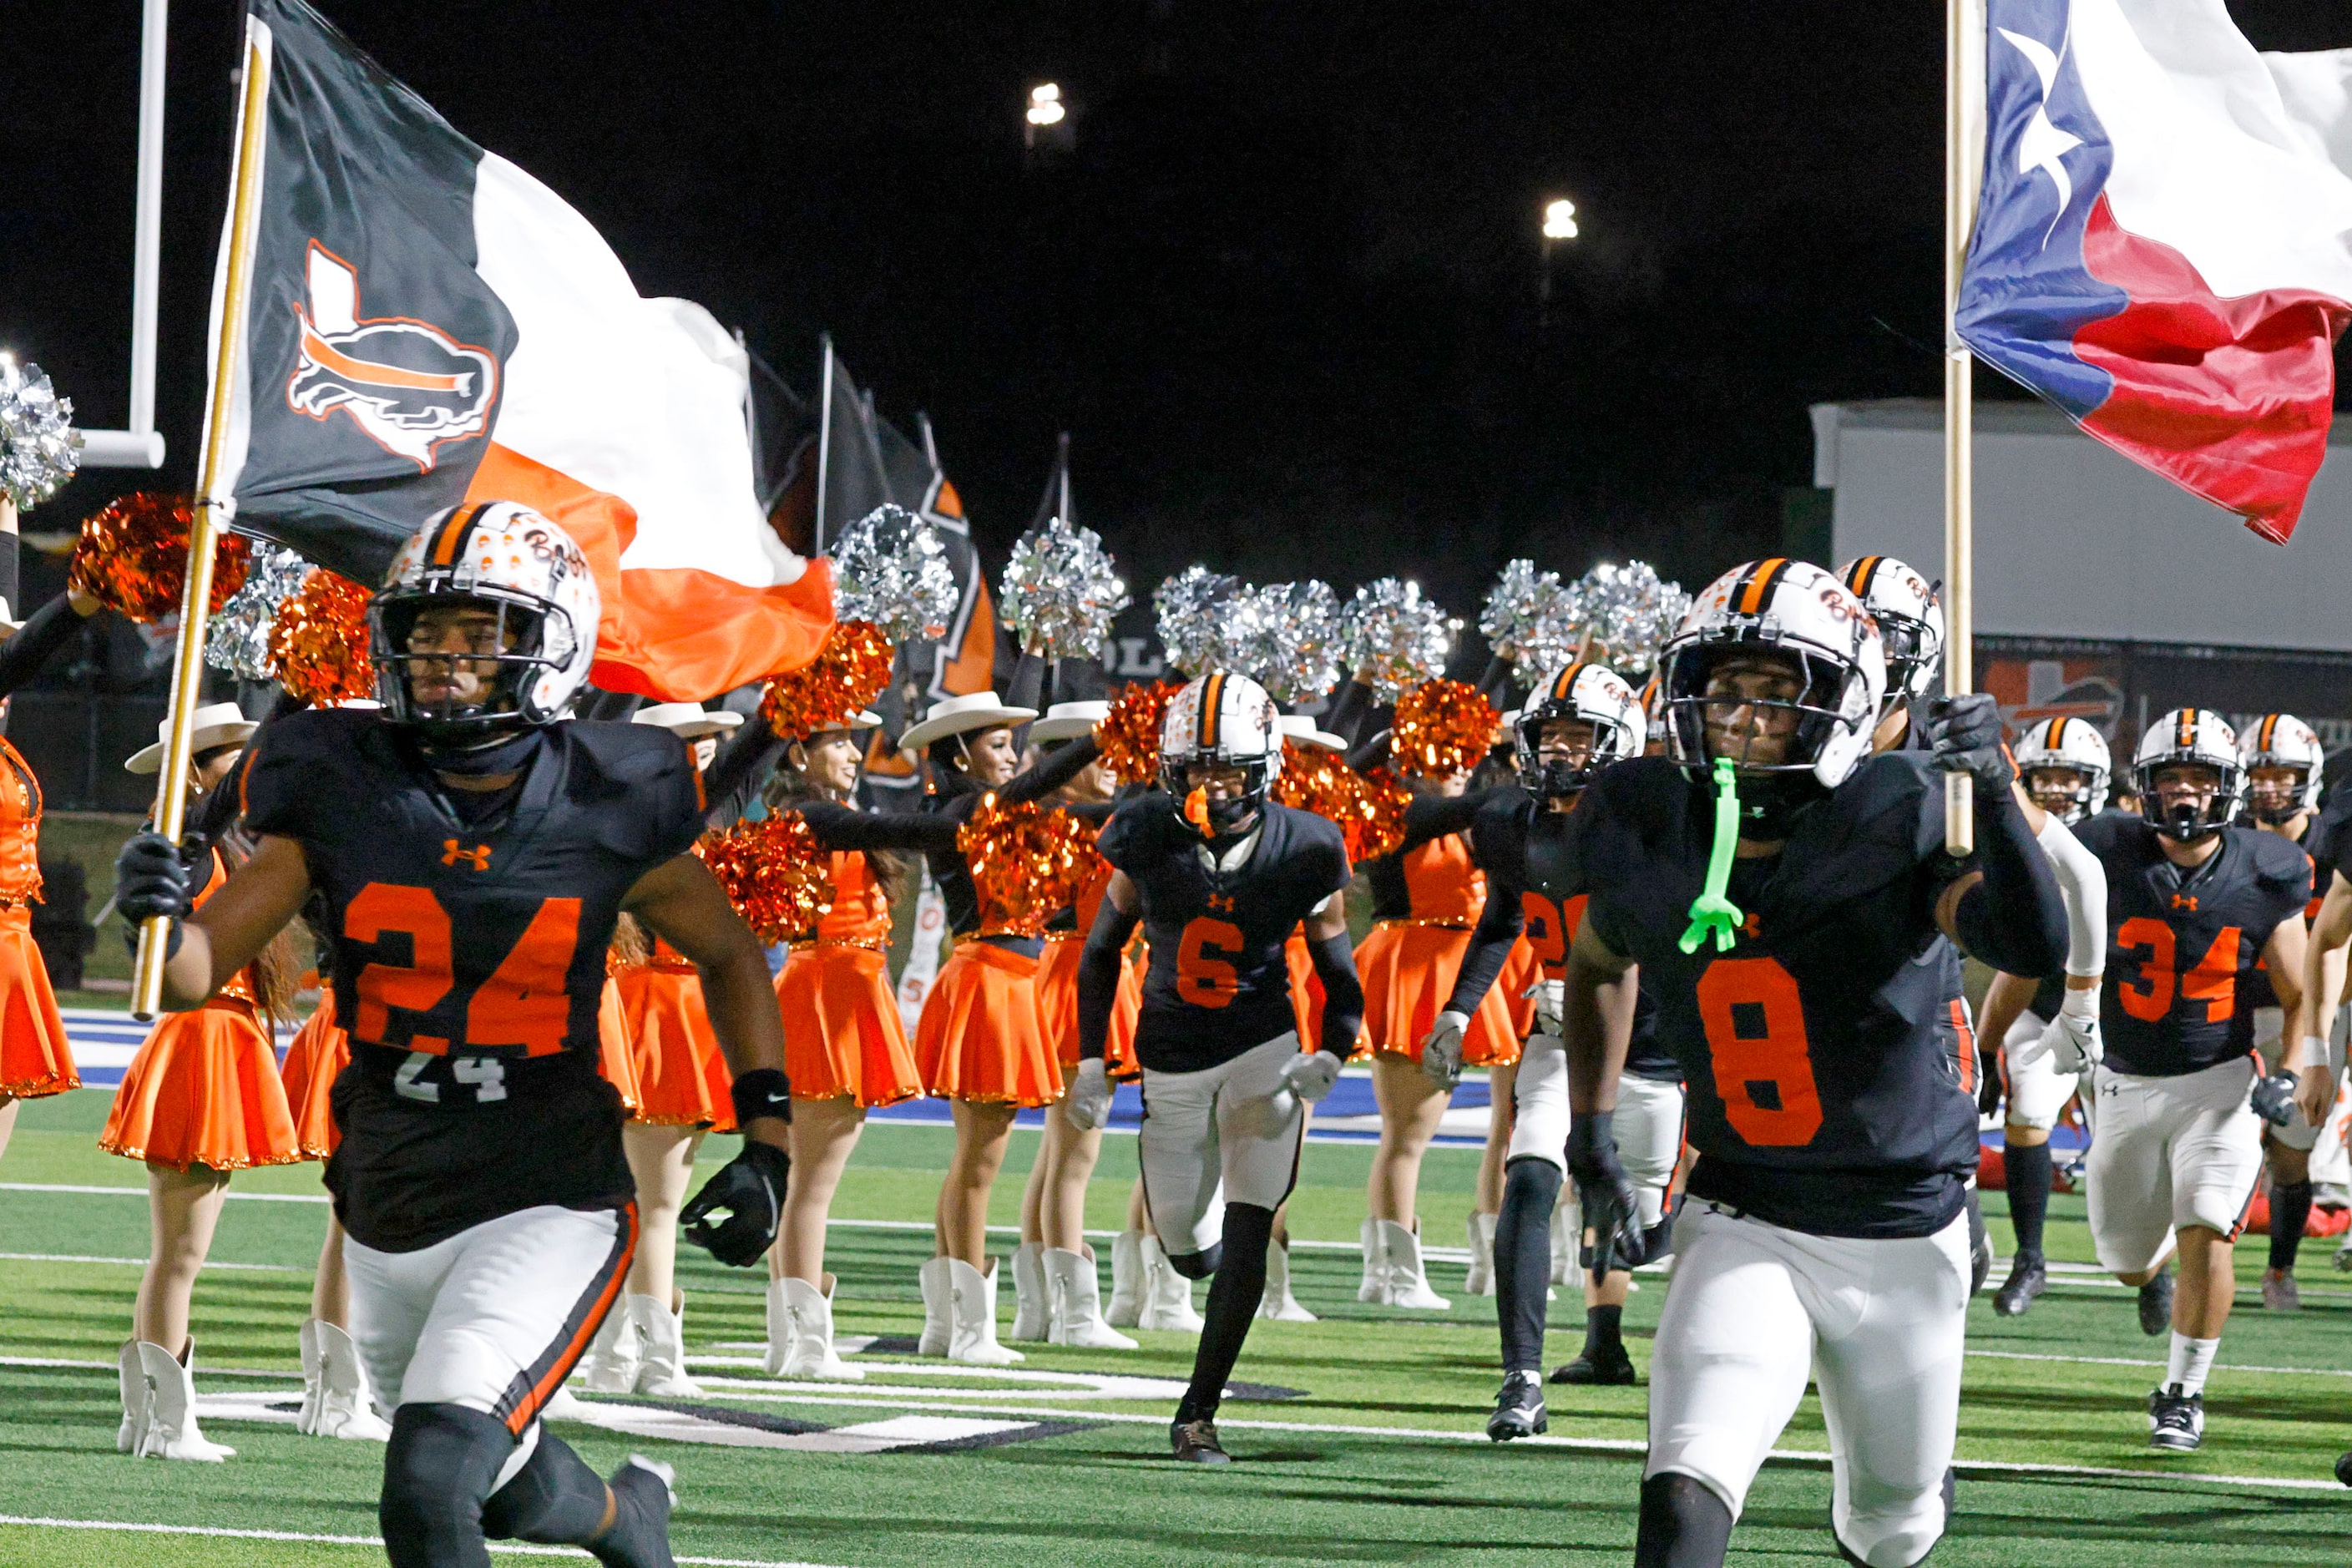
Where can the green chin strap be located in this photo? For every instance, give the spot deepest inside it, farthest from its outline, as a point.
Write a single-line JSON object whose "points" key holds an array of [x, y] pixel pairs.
{"points": [[1713, 911]]}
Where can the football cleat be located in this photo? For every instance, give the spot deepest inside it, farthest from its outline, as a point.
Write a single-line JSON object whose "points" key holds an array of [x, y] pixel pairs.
{"points": [[2028, 1278], [2279, 1291], [1519, 1408], [1609, 1365], [2176, 1420], [2156, 1303], [2344, 1468], [1195, 1442], [639, 1536]]}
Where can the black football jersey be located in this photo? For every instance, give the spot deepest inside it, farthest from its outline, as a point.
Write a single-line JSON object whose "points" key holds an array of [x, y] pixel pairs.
{"points": [[468, 961], [2323, 843], [2182, 942], [1218, 982], [1829, 1058]]}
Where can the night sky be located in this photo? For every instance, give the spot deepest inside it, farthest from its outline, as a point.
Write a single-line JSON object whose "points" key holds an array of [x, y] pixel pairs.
{"points": [[1283, 291]]}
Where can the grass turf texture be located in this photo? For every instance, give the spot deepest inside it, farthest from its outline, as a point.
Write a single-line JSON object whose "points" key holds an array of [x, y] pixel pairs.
{"points": [[1368, 1462]]}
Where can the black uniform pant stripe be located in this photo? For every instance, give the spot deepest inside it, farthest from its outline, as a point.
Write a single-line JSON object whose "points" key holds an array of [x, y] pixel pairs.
{"points": [[519, 1406]]}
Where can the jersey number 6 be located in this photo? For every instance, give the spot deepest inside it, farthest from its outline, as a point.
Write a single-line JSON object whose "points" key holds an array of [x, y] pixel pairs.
{"points": [[1763, 1066], [1203, 978], [524, 1002]]}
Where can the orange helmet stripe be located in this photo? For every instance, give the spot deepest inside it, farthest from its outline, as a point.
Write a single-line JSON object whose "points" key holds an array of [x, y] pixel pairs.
{"points": [[453, 531], [2187, 738], [1748, 598], [1211, 689], [1565, 684], [1858, 577], [2268, 733], [2057, 729]]}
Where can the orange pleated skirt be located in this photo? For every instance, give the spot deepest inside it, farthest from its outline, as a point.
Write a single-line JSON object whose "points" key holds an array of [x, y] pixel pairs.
{"points": [[979, 1037], [682, 1076], [842, 1036], [614, 1061], [203, 1090], [1521, 970], [34, 1057], [1057, 1007], [1408, 978], [319, 1051]]}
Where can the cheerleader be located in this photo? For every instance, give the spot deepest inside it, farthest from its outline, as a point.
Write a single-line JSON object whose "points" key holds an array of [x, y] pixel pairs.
{"points": [[1056, 1290], [35, 1059], [978, 1044], [200, 1100], [846, 1049]]}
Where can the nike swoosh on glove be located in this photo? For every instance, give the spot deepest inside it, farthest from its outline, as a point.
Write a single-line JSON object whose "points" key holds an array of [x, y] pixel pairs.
{"points": [[1310, 1075], [2273, 1098], [1612, 1207], [1088, 1107], [1964, 733], [2073, 1037], [1440, 1053], [748, 1190]]}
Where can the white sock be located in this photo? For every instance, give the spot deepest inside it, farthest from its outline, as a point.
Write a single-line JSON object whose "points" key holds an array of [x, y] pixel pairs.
{"points": [[2192, 1361]]}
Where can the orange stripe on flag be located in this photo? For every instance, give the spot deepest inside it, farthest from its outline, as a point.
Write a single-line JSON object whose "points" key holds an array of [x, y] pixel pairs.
{"points": [[368, 372]]}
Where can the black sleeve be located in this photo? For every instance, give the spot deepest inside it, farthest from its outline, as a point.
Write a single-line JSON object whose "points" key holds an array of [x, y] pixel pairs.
{"points": [[746, 758], [49, 628], [844, 828], [1094, 813], [1051, 773], [1098, 976], [1343, 994], [2285, 872], [2015, 920], [279, 778], [1500, 921], [1370, 754], [1436, 816], [1131, 839], [1350, 709]]}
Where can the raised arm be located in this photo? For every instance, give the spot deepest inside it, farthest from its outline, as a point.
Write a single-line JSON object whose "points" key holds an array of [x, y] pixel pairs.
{"points": [[748, 756], [49, 628], [1051, 773]]}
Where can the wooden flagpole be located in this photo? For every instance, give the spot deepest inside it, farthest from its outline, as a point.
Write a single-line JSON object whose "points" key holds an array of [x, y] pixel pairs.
{"points": [[1963, 101], [205, 528]]}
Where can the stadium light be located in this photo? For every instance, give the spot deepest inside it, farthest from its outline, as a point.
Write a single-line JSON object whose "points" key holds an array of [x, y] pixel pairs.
{"points": [[1559, 219], [1045, 105]]}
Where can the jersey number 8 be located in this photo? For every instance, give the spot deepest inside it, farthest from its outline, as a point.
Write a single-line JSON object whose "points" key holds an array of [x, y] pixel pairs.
{"points": [[1755, 1037]]}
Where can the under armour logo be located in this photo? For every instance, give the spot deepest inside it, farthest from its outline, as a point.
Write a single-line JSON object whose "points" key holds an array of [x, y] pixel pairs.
{"points": [[2184, 901], [1222, 902], [478, 856]]}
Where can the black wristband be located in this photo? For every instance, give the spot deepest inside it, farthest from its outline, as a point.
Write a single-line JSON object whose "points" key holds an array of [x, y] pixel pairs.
{"points": [[763, 1091]]}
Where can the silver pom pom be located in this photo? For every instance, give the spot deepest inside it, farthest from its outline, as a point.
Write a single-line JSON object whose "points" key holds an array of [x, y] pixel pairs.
{"points": [[1196, 608], [1531, 619], [40, 448], [890, 568], [1285, 638], [1061, 592], [1395, 638], [238, 641], [1631, 612]]}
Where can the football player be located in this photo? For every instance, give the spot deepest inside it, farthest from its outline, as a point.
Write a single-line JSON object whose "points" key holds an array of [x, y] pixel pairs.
{"points": [[1218, 875], [1788, 899], [1581, 720], [2193, 904], [473, 850], [1910, 617]]}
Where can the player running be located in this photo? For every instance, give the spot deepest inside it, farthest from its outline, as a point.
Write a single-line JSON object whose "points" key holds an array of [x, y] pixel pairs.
{"points": [[473, 850], [1788, 900], [1218, 881]]}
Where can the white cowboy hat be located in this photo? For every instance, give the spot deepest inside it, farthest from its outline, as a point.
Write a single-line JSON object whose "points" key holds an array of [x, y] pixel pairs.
{"points": [[1068, 721], [1298, 727], [687, 721], [961, 715], [215, 724], [866, 719]]}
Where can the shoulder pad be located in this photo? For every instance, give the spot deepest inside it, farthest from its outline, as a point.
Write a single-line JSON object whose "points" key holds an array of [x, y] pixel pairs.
{"points": [[2276, 857]]}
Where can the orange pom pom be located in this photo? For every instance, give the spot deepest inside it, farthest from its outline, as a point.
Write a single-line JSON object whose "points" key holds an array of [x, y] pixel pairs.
{"points": [[1443, 727], [775, 873], [1128, 736], [133, 556], [1385, 806], [1029, 864], [847, 674], [318, 641], [1316, 780]]}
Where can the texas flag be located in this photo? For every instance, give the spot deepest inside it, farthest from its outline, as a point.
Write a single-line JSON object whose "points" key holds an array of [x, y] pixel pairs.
{"points": [[426, 323], [2164, 244]]}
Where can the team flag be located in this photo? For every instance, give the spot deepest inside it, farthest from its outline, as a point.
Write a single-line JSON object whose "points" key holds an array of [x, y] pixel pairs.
{"points": [[2164, 244], [426, 323]]}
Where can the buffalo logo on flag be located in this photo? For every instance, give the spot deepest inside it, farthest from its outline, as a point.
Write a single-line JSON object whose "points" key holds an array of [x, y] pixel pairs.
{"points": [[407, 384]]}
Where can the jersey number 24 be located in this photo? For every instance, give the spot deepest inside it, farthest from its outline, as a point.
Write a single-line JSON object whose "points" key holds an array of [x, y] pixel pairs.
{"points": [[524, 1002]]}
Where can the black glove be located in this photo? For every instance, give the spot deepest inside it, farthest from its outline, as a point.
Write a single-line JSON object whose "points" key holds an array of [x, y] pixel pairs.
{"points": [[1612, 1209], [152, 876], [1964, 732], [2273, 1098], [750, 1190]]}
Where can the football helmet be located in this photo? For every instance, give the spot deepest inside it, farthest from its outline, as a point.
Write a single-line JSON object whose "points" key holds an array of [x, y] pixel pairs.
{"points": [[2197, 736], [1653, 714], [2284, 740], [1590, 692], [1910, 622], [1221, 721], [1808, 619], [2070, 745], [506, 558]]}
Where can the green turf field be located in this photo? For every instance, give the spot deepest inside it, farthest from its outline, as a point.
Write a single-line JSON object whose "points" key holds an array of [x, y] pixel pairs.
{"points": [[1361, 1437]]}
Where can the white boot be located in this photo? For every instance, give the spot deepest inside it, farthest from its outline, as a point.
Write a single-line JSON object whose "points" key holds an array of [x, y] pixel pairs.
{"points": [[1032, 1312], [1125, 1280], [661, 1374], [1480, 1279], [938, 1307], [138, 1399], [1374, 1285], [172, 1431], [1167, 1295], [1277, 1302], [811, 1310], [779, 1329], [335, 1402], [614, 1356], [973, 1301], [1076, 1291], [1407, 1285]]}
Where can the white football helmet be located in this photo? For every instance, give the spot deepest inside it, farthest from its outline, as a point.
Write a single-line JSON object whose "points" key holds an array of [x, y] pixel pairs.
{"points": [[1804, 616], [2283, 740], [1910, 622], [2066, 745], [2198, 737], [504, 557], [1222, 720], [1598, 696]]}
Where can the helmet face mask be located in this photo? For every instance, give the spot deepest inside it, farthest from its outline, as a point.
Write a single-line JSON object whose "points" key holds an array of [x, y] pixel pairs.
{"points": [[1911, 662], [2275, 792], [1910, 619], [2187, 775], [1791, 719], [455, 698], [2065, 792]]}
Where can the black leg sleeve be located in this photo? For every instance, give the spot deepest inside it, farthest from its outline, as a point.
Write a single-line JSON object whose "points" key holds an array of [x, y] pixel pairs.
{"points": [[1684, 1525], [2025, 1172], [1233, 1298], [2290, 1212], [555, 1499], [437, 1474], [1522, 1259]]}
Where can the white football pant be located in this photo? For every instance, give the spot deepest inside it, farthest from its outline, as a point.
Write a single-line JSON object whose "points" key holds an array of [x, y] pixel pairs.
{"points": [[2171, 1152], [1648, 1125], [1229, 1133]]}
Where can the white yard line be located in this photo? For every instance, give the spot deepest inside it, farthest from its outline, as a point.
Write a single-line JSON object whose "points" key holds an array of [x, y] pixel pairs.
{"points": [[142, 1263], [516, 1548], [142, 1192], [2128, 1361]]}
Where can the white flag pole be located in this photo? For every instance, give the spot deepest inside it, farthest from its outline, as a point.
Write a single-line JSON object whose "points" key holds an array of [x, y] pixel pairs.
{"points": [[205, 529], [1963, 95]]}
